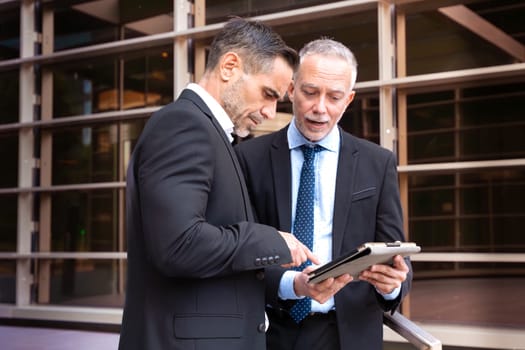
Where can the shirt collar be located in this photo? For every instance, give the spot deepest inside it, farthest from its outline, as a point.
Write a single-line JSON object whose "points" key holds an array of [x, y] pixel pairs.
{"points": [[216, 109], [296, 139]]}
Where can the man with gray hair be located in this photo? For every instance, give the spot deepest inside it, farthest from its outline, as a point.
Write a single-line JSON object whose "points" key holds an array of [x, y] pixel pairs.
{"points": [[336, 192]]}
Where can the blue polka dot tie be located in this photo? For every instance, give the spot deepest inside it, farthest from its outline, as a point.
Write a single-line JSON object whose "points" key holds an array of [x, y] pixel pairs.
{"points": [[303, 226]]}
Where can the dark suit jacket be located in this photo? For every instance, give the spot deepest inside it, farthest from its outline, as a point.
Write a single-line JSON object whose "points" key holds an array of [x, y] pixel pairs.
{"points": [[367, 209], [195, 278]]}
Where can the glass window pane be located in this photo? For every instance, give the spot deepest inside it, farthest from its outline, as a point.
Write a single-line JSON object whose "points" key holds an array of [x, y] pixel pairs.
{"points": [[92, 86], [361, 119], [221, 10], [148, 80], [7, 281], [10, 33], [9, 85], [84, 155], [87, 282], [85, 221], [480, 211], [468, 294], [9, 157], [480, 123], [93, 153], [95, 22], [358, 31], [82, 87], [8, 222], [437, 43]]}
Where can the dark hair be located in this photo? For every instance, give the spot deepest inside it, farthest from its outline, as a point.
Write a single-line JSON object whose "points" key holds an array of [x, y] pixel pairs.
{"points": [[256, 43]]}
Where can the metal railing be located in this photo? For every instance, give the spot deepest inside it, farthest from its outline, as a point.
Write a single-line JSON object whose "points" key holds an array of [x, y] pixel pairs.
{"points": [[414, 334]]}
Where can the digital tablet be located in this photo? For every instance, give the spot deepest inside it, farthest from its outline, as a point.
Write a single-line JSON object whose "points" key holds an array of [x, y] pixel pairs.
{"points": [[363, 257]]}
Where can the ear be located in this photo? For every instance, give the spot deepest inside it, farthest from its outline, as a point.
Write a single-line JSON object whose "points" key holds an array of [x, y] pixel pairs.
{"points": [[291, 90], [350, 98], [229, 65]]}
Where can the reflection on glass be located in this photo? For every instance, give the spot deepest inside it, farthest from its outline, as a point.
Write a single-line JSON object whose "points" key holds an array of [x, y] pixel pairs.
{"points": [[10, 34], [465, 124], [436, 43], [361, 119], [9, 158], [93, 86], [473, 294], [8, 222], [7, 281], [148, 80], [479, 211], [85, 221], [358, 31], [85, 155], [93, 153], [220, 10], [87, 282], [77, 87], [95, 22], [9, 85]]}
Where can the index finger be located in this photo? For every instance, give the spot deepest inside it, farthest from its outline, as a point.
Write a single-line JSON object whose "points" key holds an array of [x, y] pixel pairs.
{"points": [[314, 259]]}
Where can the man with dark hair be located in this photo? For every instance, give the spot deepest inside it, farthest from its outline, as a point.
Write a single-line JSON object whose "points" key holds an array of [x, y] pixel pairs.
{"points": [[195, 256]]}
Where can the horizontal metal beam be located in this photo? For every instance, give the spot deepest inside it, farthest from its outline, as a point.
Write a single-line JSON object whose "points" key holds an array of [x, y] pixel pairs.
{"points": [[460, 166], [60, 188], [207, 31], [470, 257], [65, 255], [85, 119]]}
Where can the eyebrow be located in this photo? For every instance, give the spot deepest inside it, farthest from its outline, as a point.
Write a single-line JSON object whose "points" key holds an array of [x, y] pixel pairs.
{"points": [[273, 93], [330, 91]]}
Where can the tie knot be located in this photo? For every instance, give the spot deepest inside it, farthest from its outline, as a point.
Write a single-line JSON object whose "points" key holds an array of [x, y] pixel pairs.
{"points": [[309, 151]]}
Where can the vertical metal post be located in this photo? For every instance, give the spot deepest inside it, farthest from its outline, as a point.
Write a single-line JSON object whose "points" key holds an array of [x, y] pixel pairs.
{"points": [[387, 132], [181, 11], [26, 160], [44, 234]]}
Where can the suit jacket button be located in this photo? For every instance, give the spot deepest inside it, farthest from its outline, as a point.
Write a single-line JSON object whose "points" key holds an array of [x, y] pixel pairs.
{"points": [[259, 275], [276, 259], [270, 260], [265, 261], [258, 262], [261, 327]]}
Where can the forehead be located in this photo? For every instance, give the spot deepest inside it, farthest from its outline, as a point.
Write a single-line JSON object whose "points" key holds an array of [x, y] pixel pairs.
{"points": [[330, 72], [277, 79]]}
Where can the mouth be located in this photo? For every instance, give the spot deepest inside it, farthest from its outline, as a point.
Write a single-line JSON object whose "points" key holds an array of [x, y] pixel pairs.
{"points": [[255, 119], [316, 123]]}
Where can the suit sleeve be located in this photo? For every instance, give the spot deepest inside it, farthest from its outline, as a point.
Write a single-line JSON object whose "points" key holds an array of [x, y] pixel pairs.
{"points": [[175, 168], [390, 224]]}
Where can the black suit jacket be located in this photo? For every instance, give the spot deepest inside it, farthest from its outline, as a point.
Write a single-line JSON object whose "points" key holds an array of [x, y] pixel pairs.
{"points": [[367, 208], [194, 258]]}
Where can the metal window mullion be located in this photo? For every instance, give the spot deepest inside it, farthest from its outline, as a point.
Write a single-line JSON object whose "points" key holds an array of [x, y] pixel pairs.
{"points": [[387, 128], [26, 160]]}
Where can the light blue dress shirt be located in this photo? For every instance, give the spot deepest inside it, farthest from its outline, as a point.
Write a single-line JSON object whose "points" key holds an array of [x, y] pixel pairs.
{"points": [[324, 199]]}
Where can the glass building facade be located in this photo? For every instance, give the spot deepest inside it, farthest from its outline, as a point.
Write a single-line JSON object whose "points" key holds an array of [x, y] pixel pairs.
{"points": [[441, 83]]}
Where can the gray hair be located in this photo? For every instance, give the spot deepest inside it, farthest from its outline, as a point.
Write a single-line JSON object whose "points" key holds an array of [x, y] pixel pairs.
{"points": [[329, 47]]}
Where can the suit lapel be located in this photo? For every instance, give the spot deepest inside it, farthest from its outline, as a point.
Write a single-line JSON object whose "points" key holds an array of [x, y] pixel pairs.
{"points": [[190, 95], [348, 159], [280, 162]]}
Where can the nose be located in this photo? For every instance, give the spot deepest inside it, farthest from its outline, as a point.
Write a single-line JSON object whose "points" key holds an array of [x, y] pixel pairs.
{"points": [[320, 106], [269, 111]]}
